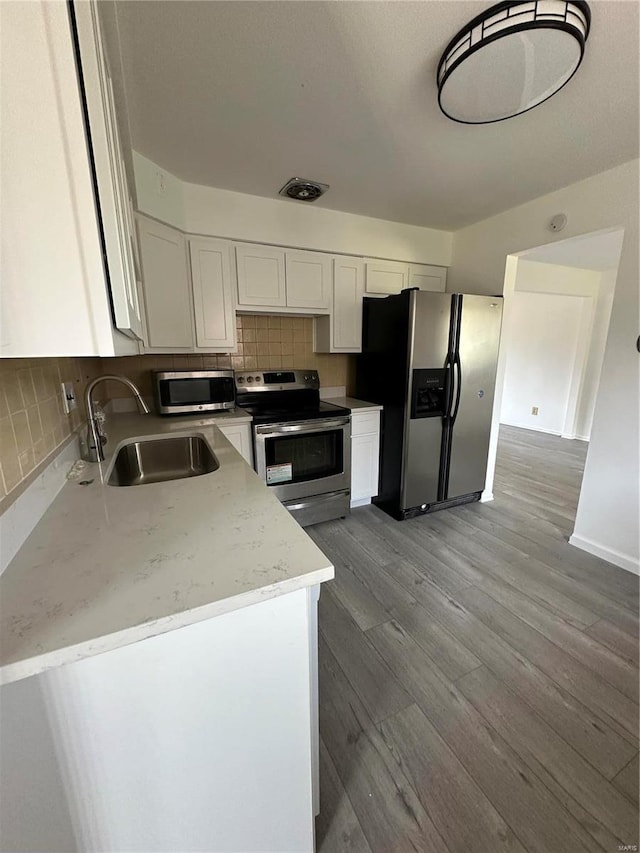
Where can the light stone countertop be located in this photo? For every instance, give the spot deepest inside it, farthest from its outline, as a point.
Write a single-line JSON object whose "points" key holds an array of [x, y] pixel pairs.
{"points": [[107, 566], [353, 404]]}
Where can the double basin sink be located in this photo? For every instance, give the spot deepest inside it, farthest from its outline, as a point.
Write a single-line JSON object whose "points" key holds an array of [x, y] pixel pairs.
{"points": [[156, 460]]}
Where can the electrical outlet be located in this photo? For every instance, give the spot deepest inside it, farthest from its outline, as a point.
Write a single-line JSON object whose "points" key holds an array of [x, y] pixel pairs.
{"points": [[534, 410], [69, 402], [161, 183]]}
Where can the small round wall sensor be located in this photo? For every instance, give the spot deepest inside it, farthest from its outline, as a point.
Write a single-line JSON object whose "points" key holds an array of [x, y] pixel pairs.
{"points": [[558, 222]]}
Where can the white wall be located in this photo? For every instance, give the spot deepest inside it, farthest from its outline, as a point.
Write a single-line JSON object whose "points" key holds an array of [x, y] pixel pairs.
{"points": [[542, 343], [608, 511], [555, 346], [595, 358], [238, 216]]}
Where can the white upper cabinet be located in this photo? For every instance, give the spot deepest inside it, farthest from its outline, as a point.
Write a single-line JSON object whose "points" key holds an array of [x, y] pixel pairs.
{"points": [[428, 277], [341, 331], [213, 294], [386, 277], [308, 280], [112, 191], [348, 291], [274, 279], [261, 276], [166, 287], [55, 298]]}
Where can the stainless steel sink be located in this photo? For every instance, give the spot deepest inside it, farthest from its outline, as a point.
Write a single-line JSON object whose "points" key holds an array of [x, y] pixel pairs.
{"points": [[156, 460]]}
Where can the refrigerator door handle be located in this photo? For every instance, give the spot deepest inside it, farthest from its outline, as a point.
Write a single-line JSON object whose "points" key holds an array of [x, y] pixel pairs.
{"points": [[457, 369], [449, 376]]}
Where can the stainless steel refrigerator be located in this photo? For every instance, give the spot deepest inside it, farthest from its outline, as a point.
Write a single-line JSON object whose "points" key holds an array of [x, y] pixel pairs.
{"points": [[430, 360]]}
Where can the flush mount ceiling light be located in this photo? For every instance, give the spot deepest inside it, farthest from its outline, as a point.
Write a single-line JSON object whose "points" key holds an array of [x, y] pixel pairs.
{"points": [[303, 190], [511, 58]]}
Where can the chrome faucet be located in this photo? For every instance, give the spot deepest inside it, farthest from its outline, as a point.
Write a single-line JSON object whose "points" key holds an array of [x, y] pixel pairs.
{"points": [[95, 439]]}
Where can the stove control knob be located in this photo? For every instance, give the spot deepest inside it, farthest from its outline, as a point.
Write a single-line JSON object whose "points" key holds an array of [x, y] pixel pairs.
{"points": [[257, 379], [240, 380], [249, 379]]}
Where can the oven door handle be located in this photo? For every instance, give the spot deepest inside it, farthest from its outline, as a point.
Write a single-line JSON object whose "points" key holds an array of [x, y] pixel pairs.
{"points": [[269, 430]]}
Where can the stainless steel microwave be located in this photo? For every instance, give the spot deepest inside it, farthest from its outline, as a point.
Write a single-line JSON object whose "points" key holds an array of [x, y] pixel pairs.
{"points": [[180, 392]]}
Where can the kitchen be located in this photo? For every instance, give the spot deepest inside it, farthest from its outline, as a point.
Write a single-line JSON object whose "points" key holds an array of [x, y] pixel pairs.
{"points": [[212, 278]]}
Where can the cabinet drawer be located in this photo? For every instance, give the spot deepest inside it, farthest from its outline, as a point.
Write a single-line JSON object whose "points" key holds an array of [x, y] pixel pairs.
{"points": [[366, 423]]}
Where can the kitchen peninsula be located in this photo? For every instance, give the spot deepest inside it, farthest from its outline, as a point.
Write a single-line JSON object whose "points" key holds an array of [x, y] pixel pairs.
{"points": [[159, 662]]}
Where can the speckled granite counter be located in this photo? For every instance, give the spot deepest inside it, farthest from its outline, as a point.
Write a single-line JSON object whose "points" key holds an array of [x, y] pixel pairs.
{"points": [[109, 566]]}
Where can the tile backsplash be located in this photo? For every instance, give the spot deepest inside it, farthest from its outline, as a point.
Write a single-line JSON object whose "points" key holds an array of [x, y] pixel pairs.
{"points": [[33, 424], [263, 342]]}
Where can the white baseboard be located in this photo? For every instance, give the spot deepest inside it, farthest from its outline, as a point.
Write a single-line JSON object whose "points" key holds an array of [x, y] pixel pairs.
{"points": [[624, 561], [532, 428], [360, 502], [546, 431], [485, 497], [17, 522]]}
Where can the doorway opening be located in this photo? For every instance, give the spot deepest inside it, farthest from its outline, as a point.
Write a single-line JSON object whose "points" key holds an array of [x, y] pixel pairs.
{"points": [[557, 307]]}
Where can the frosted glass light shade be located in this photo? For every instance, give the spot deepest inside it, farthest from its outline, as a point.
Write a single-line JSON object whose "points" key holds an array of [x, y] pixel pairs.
{"points": [[511, 58]]}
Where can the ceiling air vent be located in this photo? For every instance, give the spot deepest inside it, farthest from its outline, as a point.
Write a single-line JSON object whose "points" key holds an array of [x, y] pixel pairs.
{"points": [[303, 190]]}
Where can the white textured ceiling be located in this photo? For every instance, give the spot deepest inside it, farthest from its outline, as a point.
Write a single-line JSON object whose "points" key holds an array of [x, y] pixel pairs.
{"points": [[591, 252], [244, 95]]}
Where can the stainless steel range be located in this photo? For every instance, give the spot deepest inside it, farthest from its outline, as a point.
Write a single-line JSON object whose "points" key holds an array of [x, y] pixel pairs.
{"points": [[302, 445]]}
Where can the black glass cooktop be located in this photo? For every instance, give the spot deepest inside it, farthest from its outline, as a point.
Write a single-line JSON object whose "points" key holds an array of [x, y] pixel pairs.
{"points": [[265, 413]]}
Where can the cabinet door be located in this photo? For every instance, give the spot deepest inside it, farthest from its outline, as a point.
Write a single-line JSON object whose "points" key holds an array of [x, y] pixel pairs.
{"points": [[346, 316], [428, 277], [113, 193], [240, 436], [308, 276], [261, 276], [165, 285], [53, 296], [213, 302], [364, 466], [386, 276]]}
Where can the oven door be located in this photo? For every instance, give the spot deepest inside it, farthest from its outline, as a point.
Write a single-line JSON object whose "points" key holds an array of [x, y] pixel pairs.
{"points": [[304, 458]]}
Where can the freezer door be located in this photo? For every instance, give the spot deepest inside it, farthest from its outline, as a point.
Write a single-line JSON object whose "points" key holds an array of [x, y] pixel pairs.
{"points": [[478, 342], [430, 317], [430, 321]]}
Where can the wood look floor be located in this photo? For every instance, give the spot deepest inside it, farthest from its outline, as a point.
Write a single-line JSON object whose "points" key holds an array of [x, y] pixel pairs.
{"points": [[478, 675]]}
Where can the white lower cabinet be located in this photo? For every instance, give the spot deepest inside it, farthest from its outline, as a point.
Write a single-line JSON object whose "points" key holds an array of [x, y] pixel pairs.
{"points": [[365, 453], [240, 436]]}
